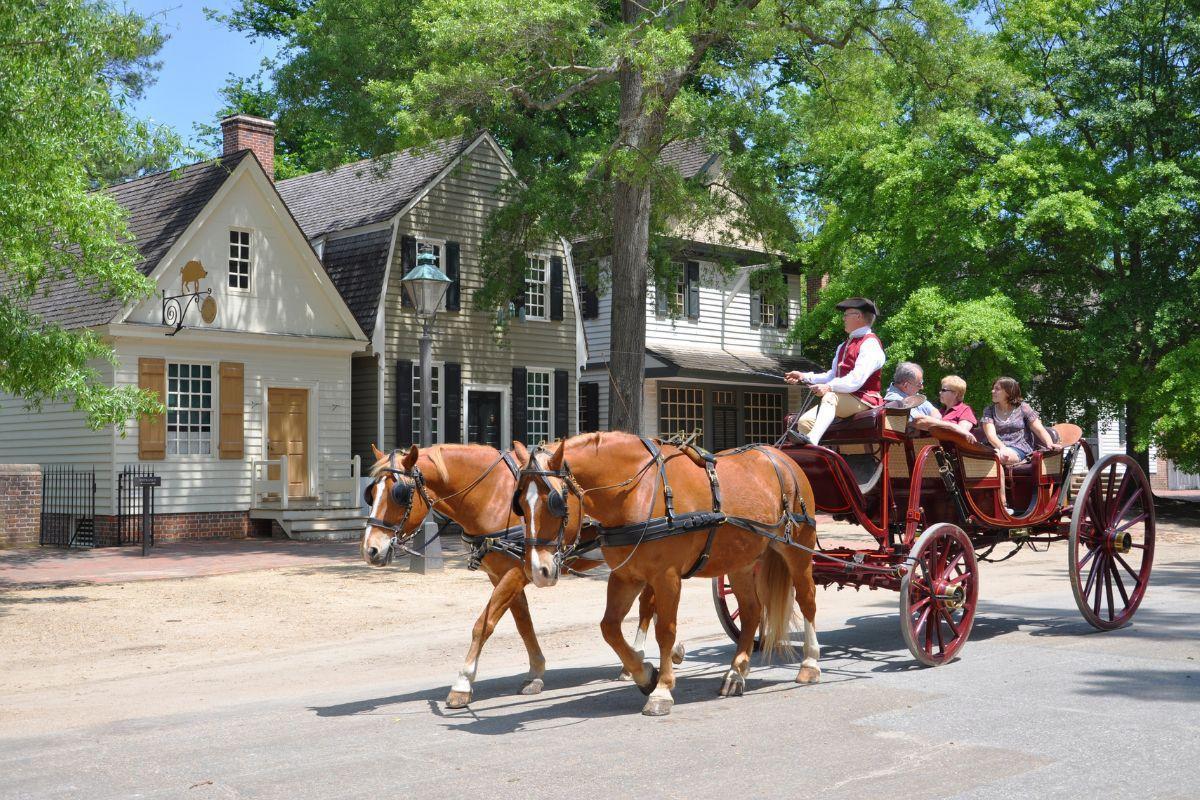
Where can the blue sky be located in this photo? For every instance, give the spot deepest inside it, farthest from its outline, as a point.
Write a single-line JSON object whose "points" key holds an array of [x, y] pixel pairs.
{"points": [[195, 62]]}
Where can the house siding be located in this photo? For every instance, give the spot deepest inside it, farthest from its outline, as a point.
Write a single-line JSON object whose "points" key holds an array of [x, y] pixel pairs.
{"points": [[206, 483], [457, 209], [58, 434]]}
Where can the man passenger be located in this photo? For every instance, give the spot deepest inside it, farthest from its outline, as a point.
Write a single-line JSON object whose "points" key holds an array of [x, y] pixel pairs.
{"points": [[908, 380], [852, 384]]}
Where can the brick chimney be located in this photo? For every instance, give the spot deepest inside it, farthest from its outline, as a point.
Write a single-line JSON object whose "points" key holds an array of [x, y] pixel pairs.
{"points": [[814, 283], [244, 132]]}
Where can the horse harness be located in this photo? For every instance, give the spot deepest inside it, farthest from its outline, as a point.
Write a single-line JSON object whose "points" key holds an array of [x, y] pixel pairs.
{"points": [[671, 523]]}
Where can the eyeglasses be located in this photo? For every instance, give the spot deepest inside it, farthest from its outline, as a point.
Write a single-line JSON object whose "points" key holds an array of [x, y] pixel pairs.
{"points": [[945, 389]]}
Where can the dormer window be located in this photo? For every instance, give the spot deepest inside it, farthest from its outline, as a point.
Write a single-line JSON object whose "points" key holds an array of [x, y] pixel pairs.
{"points": [[239, 260]]}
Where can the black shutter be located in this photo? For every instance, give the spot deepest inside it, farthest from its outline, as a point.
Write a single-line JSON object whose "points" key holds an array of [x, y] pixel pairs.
{"points": [[693, 290], [556, 288], [589, 407], [404, 416], [755, 308], [519, 404], [408, 260], [452, 402], [453, 301], [561, 418], [589, 300]]}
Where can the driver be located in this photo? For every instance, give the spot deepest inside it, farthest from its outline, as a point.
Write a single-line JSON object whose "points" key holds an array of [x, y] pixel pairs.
{"points": [[853, 384]]}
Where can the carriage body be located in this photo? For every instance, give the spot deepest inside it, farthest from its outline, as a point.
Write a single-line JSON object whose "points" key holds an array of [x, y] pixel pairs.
{"points": [[930, 501]]}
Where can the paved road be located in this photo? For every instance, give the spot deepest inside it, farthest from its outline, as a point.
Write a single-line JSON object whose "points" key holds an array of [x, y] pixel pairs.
{"points": [[1038, 706]]}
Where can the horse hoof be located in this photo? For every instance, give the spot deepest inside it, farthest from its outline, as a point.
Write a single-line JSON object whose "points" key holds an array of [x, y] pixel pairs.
{"points": [[625, 675], [532, 686], [658, 707], [649, 687], [808, 675], [458, 699], [734, 685], [678, 653]]}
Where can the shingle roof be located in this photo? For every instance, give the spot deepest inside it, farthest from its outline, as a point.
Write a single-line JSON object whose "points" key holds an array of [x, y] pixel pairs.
{"points": [[693, 360], [367, 191], [160, 208], [356, 266], [689, 156]]}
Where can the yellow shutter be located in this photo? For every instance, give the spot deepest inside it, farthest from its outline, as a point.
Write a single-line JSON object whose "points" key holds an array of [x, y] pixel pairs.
{"points": [[152, 431], [232, 410]]}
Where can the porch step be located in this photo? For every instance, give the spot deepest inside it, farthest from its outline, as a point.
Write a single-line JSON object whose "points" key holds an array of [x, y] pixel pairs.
{"points": [[315, 524]]}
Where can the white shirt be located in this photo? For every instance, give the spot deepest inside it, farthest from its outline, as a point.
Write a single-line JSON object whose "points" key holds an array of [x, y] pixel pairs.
{"points": [[870, 359]]}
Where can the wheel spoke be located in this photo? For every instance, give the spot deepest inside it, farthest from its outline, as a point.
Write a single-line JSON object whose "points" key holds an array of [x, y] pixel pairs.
{"points": [[1087, 589], [958, 578], [917, 606], [1137, 579], [1095, 511], [1120, 584], [1108, 588], [1133, 498], [949, 617], [937, 627], [1108, 495], [734, 614], [1096, 598], [1116, 499], [954, 564], [1126, 526], [1087, 558]]}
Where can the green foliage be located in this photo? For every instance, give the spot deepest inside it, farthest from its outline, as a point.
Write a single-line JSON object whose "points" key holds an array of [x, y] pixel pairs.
{"points": [[1174, 405], [978, 340], [1055, 165], [67, 71]]}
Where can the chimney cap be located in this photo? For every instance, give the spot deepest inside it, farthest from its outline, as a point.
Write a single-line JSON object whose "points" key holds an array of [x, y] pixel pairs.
{"points": [[247, 119]]}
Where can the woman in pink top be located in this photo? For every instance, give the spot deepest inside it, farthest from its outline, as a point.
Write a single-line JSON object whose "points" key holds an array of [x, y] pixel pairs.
{"points": [[955, 413]]}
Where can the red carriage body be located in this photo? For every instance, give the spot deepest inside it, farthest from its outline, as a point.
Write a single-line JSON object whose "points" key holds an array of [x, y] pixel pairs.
{"points": [[931, 500]]}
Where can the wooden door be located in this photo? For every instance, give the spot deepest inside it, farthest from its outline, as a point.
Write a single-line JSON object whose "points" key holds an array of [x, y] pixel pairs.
{"points": [[483, 418], [287, 433]]}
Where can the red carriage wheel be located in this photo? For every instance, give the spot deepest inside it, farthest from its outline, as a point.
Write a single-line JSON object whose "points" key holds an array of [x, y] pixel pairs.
{"points": [[1112, 542], [938, 594], [727, 610]]}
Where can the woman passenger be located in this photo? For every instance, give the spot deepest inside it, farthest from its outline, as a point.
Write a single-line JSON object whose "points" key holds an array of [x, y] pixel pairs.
{"points": [[956, 414], [1011, 426]]}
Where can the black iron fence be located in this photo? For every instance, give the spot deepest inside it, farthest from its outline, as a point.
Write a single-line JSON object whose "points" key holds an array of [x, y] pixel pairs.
{"points": [[131, 501], [68, 506]]}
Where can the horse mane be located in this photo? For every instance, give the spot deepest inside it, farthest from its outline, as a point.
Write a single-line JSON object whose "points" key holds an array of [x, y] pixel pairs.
{"points": [[435, 455]]}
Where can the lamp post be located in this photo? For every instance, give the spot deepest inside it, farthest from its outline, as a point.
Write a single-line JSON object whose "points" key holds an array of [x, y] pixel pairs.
{"points": [[426, 286]]}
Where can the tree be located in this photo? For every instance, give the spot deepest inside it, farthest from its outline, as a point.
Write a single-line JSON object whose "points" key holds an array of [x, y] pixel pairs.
{"points": [[585, 94], [69, 70], [1058, 168]]}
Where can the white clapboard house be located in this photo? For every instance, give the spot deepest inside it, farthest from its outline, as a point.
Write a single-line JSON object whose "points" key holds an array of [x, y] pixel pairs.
{"points": [[256, 381], [707, 347]]}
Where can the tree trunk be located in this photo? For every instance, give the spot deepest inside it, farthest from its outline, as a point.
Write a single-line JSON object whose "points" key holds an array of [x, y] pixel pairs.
{"points": [[1133, 431], [627, 338]]}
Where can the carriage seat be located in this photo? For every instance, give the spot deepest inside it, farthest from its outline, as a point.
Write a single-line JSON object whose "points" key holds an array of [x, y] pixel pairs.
{"points": [[862, 422]]}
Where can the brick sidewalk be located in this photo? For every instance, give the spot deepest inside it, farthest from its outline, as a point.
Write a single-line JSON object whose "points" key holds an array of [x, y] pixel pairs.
{"points": [[53, 565]]}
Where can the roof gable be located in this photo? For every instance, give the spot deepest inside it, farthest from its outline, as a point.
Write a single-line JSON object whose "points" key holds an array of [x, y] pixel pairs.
{"points": [[160, 208]]}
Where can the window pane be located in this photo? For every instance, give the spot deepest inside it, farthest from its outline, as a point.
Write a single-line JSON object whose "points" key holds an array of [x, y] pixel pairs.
{"points": [[763, 413], [680, 411], [189, 409], [537, 410]]}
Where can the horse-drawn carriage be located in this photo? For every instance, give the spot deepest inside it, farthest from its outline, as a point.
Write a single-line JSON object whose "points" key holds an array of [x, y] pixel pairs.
{"points": [[932, 500]]}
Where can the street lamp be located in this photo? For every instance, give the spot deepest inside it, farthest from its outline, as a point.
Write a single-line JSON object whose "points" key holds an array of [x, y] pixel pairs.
{"points": [[426, 285]]}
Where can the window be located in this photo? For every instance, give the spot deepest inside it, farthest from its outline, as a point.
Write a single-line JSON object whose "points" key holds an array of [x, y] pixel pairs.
{"points": [[536, 277], [763, 415], [239, 260], [436, 398], [430, 247], [679, 296], [538, 405], [189, 409], [766, 313], [680, 410]]}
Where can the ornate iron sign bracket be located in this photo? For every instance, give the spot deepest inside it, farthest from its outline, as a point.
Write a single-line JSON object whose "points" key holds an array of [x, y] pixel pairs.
{"points": [[175, 308]]}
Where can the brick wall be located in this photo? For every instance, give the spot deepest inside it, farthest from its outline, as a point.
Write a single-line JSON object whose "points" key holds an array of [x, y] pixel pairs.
{"points": [[1158, 480], [197, 525], [813, 284], [20, 504]]}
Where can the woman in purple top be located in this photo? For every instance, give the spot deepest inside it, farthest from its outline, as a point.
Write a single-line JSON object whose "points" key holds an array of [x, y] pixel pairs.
{"points": [[955, 413], [1011, 425]]}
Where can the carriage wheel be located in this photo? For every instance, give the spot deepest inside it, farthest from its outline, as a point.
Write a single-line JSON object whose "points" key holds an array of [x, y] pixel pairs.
{"points": [[938, 594], [1112, 542], [727, 610]]}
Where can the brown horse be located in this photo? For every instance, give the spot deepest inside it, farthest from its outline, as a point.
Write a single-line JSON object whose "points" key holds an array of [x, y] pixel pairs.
{"points": [[613, 479], [472, 485]]}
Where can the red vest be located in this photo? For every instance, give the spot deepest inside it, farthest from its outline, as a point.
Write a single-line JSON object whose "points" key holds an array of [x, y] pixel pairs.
{"points": [[871, 390]]}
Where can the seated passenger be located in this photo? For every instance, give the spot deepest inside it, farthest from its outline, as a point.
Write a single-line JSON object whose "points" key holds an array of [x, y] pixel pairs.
{"points": [[1011, 426], [956, 414], [852, 384], [907, 381]]}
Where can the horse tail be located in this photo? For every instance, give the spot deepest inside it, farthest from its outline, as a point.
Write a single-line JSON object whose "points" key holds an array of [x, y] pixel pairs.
{"points": [[777, 595]]}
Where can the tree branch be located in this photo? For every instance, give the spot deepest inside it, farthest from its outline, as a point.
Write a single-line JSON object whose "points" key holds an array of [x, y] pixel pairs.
{"points": [[526, 99]]}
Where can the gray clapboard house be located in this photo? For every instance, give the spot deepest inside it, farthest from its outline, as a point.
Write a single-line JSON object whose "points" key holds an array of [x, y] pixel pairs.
{"points": [[369, 221]]}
